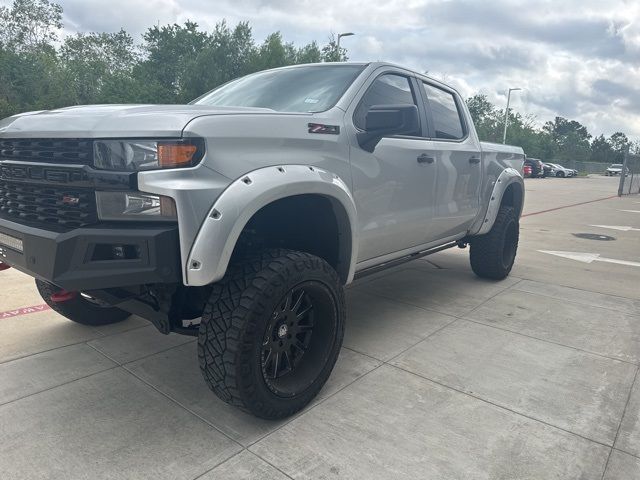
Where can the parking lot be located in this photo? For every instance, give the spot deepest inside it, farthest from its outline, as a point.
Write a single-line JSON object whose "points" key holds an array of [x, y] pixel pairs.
{"points": [[442, 375]]}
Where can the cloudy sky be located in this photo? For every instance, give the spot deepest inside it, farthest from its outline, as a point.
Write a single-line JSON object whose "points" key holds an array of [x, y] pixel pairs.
{"points": [[575, 58]]}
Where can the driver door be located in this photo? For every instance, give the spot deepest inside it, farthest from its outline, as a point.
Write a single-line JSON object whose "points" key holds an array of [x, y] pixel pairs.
{"points": [[393, 186]]}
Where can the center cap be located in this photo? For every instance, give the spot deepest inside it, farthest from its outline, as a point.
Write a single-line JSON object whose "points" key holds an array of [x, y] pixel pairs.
{"points": [[283, 330]]}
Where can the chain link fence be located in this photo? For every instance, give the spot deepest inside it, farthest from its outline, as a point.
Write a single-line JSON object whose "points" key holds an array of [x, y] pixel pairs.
{"points": [[585, 167], [630, 175]]}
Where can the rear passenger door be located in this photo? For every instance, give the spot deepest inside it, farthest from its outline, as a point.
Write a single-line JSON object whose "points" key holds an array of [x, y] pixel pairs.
{"points": [[458, 161]]}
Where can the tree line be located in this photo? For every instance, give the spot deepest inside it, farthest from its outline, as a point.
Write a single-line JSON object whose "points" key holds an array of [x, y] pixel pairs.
{"points": [[172, 63], [561, 140], [177, 63]]}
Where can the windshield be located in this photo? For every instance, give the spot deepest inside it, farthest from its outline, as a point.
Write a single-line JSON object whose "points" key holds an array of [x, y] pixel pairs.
{"points": [[313, 88], [616, 165]]}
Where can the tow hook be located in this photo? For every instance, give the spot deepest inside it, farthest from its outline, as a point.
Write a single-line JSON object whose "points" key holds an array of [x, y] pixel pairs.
{"points": [[4, 266], [63, 296]]}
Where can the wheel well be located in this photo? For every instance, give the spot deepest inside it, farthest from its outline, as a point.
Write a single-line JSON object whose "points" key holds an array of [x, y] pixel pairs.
{"points": [[513, 197], [310, 223]]}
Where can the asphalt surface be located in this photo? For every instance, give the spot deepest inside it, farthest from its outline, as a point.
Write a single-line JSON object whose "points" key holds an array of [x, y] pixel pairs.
{"points": [[442, 375]]}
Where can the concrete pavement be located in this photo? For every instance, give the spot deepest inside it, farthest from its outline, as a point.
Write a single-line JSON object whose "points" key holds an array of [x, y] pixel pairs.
{"points": [[442, 375]]}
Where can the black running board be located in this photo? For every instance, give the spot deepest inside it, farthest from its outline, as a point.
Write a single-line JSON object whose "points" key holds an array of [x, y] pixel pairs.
{"points": [[399, 261]]}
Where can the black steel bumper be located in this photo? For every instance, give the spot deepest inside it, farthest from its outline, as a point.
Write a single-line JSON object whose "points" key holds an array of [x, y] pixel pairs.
{"points": [[72, 260]]}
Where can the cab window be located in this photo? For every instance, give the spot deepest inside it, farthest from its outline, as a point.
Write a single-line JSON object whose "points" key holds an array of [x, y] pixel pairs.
{"points": [[447, 122], [387, 89]]}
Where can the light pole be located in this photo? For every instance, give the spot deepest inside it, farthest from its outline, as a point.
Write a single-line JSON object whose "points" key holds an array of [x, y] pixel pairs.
{"points": [[506, 114], [340, 35]]}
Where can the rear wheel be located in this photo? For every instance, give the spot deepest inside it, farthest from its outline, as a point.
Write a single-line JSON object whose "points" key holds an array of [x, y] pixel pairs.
{"points": [[80, 308], [271, 332], [493, 254]]}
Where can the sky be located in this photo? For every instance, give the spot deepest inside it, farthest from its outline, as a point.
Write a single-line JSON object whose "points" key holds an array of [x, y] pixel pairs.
{"points": [[578, 59]]}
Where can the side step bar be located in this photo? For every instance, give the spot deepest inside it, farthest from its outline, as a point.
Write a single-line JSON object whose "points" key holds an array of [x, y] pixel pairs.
{"points": [[408, 258]]}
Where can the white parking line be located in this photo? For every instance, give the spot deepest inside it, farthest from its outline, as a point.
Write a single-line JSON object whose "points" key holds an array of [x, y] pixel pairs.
{"points": [[618, 227], [631, 211], [589, 257]]}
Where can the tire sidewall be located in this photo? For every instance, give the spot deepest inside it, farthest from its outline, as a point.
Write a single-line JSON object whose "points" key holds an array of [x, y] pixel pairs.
{"points": [[510, 221]]}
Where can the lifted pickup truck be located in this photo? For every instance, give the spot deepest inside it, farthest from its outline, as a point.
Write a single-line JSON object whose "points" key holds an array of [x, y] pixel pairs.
{"points": [[240, 217]]}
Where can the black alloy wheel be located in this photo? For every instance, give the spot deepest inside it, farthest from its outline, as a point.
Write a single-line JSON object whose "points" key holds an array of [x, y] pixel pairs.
{"points": [[294, 347]]}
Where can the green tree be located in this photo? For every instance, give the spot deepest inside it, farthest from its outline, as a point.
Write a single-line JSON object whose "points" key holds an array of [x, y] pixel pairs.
{"points": [[169, 52], [601, 150], [619, 144], [96, 65], [310, 53], [571, 139], [486, 118], [30, 25], [228, 54], [331, 52]]}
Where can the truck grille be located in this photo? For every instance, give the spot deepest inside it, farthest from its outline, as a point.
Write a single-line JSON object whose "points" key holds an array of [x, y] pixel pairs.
{"points": [[47, 207], [60, 151]]}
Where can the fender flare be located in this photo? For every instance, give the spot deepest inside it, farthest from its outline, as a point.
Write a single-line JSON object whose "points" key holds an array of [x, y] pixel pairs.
{"points": [[507, 177], [241, 200]]}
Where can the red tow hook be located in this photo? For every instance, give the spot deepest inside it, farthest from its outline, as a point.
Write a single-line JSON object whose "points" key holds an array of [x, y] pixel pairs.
{"points": [[4, 266], [63, 296]]}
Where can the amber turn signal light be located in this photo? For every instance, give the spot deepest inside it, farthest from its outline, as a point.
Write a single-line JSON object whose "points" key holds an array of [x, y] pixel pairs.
{"points": [[172, 155]]}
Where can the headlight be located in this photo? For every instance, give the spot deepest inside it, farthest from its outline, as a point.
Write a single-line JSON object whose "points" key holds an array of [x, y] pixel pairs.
{"points": [[135, 206], [132, 155]]}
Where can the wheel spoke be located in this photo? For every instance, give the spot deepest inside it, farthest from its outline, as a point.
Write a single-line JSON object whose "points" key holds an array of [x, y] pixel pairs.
{"points": [[276, 364], [266, 360], [285, 354], [304, 312], [287, 301], [296, 306]]}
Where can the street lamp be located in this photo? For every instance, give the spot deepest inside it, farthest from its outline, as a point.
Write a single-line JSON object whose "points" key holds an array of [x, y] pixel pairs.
{"points": [[340, 35], [506, 114]]}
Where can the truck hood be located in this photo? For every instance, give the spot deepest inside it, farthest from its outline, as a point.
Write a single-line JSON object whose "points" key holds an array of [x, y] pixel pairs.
{"points": [[113, 121]]}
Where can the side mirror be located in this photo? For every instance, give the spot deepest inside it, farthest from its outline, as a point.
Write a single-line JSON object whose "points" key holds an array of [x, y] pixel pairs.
{"points": [[384, 120]]}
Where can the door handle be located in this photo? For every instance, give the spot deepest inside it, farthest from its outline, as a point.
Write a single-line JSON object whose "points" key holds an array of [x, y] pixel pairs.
{"points": [[424, 158], [474, 160]]}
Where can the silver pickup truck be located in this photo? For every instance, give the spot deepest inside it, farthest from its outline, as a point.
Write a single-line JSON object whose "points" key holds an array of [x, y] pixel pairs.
{"points": [[240, 217]]}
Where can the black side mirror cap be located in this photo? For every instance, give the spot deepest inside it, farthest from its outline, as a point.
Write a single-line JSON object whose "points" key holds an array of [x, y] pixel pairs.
{"points": [[385, 120]]}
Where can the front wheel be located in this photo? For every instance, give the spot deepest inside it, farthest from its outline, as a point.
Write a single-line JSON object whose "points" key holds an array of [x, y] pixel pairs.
{"points": [[80, 308], [271, 332], [493, 254]]}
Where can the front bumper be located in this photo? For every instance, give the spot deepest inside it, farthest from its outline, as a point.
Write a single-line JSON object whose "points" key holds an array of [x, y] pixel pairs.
{"points": [[73, 260]]}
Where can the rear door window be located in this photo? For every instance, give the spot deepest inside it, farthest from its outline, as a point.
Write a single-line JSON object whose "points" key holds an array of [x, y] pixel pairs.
{"points": [[447, 122]]}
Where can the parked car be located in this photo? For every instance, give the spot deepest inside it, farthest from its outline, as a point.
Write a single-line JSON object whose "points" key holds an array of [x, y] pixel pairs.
{"points": [[547, 170], [560, 171], [537, 167], [240, 218], [614, 169]]}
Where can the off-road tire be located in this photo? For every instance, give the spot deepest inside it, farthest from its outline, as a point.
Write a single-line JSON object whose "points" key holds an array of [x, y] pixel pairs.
{"points": [[237, 317], [79, 309], [492, 255]]}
